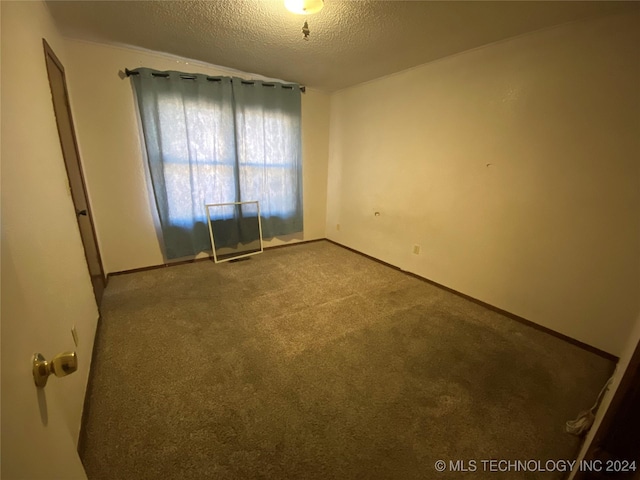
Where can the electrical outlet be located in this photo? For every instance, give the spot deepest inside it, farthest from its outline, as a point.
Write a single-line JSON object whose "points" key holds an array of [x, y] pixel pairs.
{"points": [[338, 226], [416, 249]]}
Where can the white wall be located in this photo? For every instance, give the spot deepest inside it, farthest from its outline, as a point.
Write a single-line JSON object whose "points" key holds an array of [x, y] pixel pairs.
{"points": [[46, 287], [109, 141], [550, 230]]}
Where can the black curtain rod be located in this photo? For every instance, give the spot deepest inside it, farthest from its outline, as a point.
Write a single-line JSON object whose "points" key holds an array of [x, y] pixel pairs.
{"points": [[128, 73]]}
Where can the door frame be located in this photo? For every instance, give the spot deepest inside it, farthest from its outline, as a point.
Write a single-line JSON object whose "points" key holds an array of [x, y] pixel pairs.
{"points": [[614, 414], [50, 55]]}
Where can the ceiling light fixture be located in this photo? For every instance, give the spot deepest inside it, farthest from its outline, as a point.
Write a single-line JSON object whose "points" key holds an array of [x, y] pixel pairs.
{"points": [[304, 7]]}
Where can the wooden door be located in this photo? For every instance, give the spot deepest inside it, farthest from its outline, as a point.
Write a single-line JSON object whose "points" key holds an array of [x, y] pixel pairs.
{"points": [[67, 135]]}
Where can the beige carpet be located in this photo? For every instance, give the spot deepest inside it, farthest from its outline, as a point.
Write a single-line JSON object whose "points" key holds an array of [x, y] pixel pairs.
{"points": [[313, 362]]}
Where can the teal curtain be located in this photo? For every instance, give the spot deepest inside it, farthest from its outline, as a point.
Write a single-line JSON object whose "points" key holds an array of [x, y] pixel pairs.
{"points": [[220, 140]]}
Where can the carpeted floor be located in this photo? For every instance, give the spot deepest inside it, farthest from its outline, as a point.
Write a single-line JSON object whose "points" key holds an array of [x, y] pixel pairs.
{"points": [[313, 362]]}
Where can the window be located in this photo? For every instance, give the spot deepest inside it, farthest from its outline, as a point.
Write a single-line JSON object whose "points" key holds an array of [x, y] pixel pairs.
{"points": [[219, 140]]}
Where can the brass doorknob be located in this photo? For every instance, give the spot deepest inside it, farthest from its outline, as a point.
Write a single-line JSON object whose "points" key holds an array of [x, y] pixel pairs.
{"points": [[62, 365]]}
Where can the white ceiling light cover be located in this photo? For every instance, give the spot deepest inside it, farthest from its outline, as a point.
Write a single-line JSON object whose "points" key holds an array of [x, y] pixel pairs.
{"points": [[304, 7]]}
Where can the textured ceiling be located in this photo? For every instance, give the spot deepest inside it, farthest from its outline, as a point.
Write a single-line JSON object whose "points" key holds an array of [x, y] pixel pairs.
{"points": [[351, 41]]}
